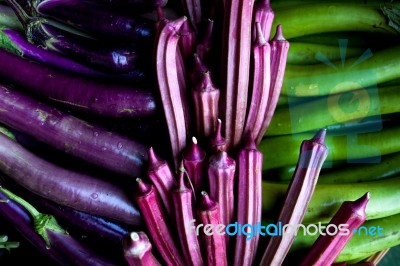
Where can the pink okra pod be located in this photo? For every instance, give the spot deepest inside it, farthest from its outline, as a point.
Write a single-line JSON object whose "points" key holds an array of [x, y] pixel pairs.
{"points": [[221, 180], [248, 205], [258, 105], [213, 239], [162, 178], [182, 198], [169, 65], [156, 223], [218, 142], [279, 51], [194, 161], [328, 246], [313, 153], [264, 15], [205, 99], [137, 250]]}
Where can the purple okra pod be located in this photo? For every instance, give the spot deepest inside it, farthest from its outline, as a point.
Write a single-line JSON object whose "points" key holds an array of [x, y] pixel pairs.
{"points": [[182, 198], [279, 51], [170, 87], [156, 223], [221, 180], [264, 15], [261, 86], [217, 142], [313, 153], [162, 178], [248, 205], [328, 246], [235, 69], [194, 161], [213, 242], [205, 99], [137, 250]]}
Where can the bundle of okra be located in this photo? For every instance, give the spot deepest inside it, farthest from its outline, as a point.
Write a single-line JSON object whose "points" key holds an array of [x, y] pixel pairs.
{"points": [[139, 132]]}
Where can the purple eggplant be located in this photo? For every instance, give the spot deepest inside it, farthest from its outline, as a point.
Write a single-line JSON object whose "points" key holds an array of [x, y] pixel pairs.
{"points": [[55, 237], [15, 42], [15, 214], [72, 135], [98, 20], [82, 222], [118, 58], [76, 92], [65, 187]]}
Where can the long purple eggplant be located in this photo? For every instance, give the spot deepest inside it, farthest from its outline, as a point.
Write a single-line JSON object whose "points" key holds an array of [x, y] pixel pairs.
{"points": [[15, 42], [73, 91], [17, 216], [98, 20], [65, 187], [71, 135], [82, 222], [56, 237], [110, 56]]}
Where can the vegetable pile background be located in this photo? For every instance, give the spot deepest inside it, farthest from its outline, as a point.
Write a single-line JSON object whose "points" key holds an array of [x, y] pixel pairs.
{"points": [[122, 121]]}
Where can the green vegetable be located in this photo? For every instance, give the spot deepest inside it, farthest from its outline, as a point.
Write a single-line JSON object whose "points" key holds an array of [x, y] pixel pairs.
{"points": [[324, 79], [283, 150], [334, 109], [301, 53], [331, 17], [362, 245], [327, 198], [389, 166]]}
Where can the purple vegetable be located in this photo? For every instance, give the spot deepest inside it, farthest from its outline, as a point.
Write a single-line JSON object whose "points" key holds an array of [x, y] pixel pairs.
{"points": [[327, 246], [16, 215], [236, 68], [117, 58], [137, 250], [17, 43], [249, 196], [182, 198], [57, 238], [157, 224], [193, 159], [65, 187], [100, 97], [71, 135], [98, 20], [82, 222]]}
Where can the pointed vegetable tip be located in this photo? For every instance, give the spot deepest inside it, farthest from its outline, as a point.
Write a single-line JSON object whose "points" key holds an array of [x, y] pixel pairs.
{"points": [[279, 34], [320, 136], [142, 187], [260, 38], [217, 141]]}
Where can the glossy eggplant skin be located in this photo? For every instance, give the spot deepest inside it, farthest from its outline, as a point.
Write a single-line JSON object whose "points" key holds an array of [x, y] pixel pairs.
{"points": [[114, 57], [99, 20], [17, 216], [77, 92]]}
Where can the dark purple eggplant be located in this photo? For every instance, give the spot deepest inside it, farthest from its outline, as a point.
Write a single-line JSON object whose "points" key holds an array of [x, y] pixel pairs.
{"points": [[114, 57], [98, 20], [17, 216], [55, 237], [71, 135], [15, 42], [83, 223], [65, 187], [76, 92]]}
